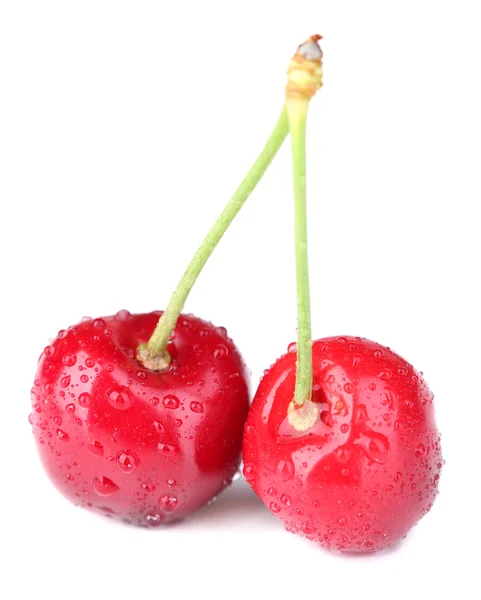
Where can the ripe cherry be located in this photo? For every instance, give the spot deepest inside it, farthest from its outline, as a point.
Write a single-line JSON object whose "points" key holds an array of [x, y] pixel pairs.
{"points": [[142, 446], [140, 417], [340, 441], [357, 466]]}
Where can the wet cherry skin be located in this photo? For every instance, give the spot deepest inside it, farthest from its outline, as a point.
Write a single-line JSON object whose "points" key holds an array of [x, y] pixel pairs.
{"points": [[142, 446], [364, 466]]}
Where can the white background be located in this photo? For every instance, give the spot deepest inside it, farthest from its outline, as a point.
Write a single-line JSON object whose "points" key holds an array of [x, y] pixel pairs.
{"points": [[124, 129]]}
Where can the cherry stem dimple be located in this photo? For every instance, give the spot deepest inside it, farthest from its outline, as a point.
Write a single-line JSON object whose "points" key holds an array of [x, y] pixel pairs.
{"points": [[304, 79], [154, 354]]}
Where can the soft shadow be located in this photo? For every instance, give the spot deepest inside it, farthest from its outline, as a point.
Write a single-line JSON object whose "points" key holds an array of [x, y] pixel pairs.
{"points": [[237, 504]]}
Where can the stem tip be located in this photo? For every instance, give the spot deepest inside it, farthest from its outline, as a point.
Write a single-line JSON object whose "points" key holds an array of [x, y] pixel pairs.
{"points": [[304, 74]]}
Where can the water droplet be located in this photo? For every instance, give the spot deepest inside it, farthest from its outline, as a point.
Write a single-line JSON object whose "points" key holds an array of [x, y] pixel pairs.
{"points": [[291, 527], [89, 362], [70, 408], [65, 381], [326, 418], [413, 486], [85, 399], [121, 398], [420, 451], [99, 323], [221, 352], [361, 413], [342, 521], [30, 418], [343, 454], [84, 378], [275, 508], [171, 482], [171, 402], [178, 422], [62, 334], [159, 428], [272, 491], [308, 528], [285, 468], [49, 350], [398, 476], [69, 359], [48, 388], [356, 360], [62, 436], [167, 449], [386, 374], [402, 371], [249, 471], [285, 499], [141, 374], [292, 347], [204, 332], [348, 388], [196, 407], [123, 315], [127, 461], [154, 520], [57, 420], [147, 487], [104, 486], [377, 353], [168, 502], [375, 445], [96, 448], [344, 428]]}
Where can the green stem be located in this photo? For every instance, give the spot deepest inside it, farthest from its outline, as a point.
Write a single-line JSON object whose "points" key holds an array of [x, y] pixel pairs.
{"points": [[297, 115], [157, 344]]}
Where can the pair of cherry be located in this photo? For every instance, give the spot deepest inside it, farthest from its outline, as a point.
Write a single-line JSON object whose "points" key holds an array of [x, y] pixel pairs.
{"points": [[142, 417]]}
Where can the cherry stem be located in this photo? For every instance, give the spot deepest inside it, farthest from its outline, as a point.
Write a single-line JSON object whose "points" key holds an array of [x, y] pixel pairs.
{"points": [[304, 79], [154, 354], [297, 127]]}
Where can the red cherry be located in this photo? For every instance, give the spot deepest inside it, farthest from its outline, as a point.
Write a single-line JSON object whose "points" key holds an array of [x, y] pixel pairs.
{"points": [[358, 466], [146, 447]]}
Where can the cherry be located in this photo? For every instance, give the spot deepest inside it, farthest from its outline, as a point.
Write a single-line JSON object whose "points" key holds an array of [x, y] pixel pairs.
{"points": [[142, 446], [357, 466], [140, 417], [340, 441]]}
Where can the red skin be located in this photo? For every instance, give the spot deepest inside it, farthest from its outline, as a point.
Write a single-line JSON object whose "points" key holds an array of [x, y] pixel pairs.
{"points": [[130, 443], [368, 469]]}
